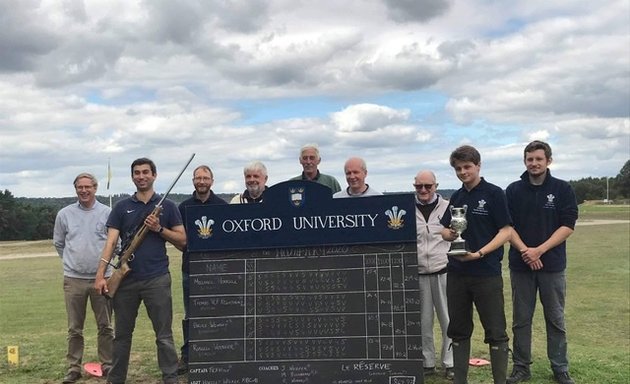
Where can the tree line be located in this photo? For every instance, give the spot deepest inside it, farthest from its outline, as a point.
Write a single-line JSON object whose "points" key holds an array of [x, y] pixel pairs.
{"points": [[27, 218], [34, 218]]}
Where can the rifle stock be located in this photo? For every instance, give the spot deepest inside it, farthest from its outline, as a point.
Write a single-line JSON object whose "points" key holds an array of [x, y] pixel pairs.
{"points": [[113, 282]]}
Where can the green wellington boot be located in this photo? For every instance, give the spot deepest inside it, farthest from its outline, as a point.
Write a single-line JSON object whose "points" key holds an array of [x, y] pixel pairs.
{"points": [[461, 356], [499, 360]]}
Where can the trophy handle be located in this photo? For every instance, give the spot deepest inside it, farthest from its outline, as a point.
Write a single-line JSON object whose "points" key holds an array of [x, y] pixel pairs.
{"points": [[465, 208]]}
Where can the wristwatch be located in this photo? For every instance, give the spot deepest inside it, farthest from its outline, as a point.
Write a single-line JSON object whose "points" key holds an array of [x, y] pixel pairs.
{"points": [[481, 255], [161, 229]]}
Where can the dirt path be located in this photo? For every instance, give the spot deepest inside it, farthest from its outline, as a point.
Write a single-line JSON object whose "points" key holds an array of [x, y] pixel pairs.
{"points": [[28, 255], [23, 243], [601, 222]]}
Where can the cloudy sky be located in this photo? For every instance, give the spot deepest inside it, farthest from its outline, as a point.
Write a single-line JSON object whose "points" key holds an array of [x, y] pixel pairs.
{"points": [[399, 82]]}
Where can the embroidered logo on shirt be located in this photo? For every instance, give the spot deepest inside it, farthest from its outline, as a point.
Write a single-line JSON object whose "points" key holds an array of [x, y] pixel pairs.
{"points": [[550, 201], [130, 210], [481, 208]]}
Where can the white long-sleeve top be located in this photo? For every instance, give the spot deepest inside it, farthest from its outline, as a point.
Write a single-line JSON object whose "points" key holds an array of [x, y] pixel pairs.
{"points": [[431, 247]]}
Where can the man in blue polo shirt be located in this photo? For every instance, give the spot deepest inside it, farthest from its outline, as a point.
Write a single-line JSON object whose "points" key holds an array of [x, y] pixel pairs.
{"points": [[475, 277], [149, 280], [544, 210], [203, 195]]}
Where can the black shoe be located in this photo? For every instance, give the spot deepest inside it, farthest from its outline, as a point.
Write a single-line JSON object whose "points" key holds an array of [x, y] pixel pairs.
{"points": [[518, 375], [182, 367], [71, 377], [105, 369], [428, 371], [449, 373], [563, 378]]}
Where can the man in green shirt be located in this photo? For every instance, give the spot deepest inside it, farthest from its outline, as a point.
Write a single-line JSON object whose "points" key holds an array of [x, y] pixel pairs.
{"points": [[310, 159]]}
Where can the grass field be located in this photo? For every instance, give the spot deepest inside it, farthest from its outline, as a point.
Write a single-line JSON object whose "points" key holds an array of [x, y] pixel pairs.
{"points": [[32, 313]]}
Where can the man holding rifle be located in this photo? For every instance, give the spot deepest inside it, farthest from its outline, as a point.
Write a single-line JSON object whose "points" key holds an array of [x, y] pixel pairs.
{"points": [[149, 279]]}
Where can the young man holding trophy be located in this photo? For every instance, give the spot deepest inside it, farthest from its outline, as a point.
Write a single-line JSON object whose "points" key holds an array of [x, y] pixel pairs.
{"points": [[477, 213]]}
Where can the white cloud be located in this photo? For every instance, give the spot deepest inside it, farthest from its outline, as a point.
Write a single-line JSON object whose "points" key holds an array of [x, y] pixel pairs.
{"points": [[367, 117], [400, 83]]}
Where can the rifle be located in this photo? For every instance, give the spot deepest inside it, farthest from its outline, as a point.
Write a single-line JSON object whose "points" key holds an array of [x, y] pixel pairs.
{"points": [[122, 268]]}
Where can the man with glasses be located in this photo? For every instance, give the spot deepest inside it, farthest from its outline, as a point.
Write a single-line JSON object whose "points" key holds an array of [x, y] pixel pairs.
{"points": [[203, 195], [79, 236], [432, 261]]}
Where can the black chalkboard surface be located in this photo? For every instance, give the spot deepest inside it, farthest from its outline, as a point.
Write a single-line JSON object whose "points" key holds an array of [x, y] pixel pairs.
{"points": [[337, 307]]}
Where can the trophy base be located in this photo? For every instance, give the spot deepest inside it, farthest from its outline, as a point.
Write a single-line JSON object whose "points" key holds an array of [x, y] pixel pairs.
{"points": [[458, 248], [458, 252]]}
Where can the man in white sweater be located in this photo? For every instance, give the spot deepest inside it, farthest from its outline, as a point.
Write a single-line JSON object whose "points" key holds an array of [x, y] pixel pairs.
{"points": [[79, 237], [432, 261]]}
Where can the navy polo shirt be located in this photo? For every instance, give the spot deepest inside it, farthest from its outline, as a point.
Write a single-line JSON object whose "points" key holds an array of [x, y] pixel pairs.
{"points": [[487, 213], [150, 259]]}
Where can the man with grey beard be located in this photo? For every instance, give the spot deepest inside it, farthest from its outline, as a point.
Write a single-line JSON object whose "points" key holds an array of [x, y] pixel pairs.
{"points": [[255, 183]]}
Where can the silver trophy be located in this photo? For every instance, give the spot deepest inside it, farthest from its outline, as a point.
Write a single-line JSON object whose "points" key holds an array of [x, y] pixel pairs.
{"points": [[458, 224]]}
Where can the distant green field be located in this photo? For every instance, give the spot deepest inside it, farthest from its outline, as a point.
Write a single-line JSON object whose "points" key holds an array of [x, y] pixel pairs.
{"points": [[604, 212], [32, 313]]}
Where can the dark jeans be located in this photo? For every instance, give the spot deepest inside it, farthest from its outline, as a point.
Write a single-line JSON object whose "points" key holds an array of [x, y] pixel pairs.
{"points": [[486, 293], [156, 295], [552, 290]]}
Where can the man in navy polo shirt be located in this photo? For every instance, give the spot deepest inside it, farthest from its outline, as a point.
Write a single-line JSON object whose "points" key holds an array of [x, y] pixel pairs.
{"points": [[475, 277], [149, 280], [544, 210], [203, 195]]}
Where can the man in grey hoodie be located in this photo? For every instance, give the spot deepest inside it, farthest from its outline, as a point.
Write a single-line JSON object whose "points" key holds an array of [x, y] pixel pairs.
{"points": [[79, 237]]}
